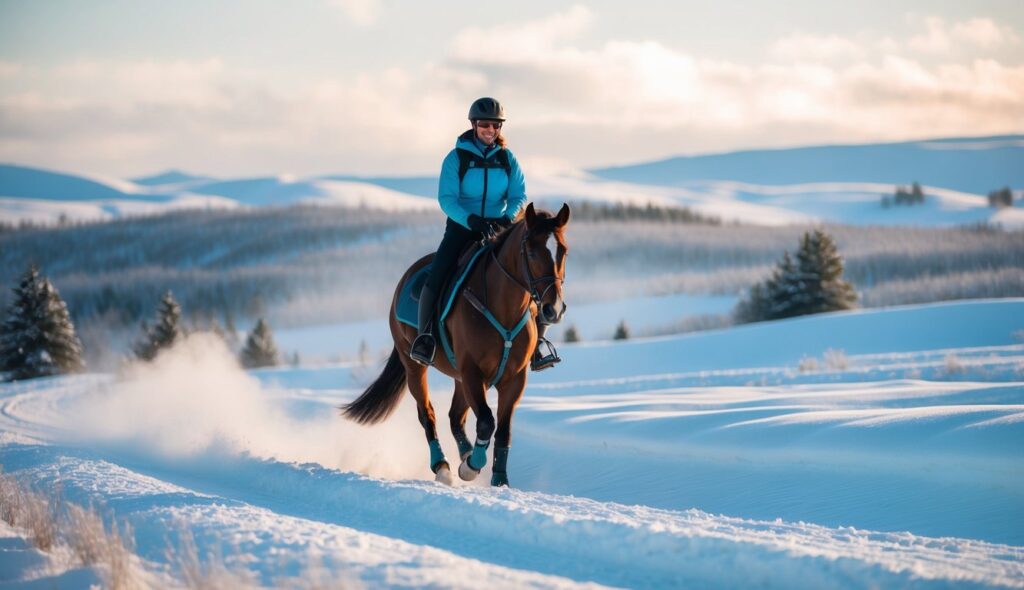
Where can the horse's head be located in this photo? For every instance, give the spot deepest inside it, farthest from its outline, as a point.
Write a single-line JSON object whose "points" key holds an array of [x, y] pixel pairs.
{"points": [[543, 252]]}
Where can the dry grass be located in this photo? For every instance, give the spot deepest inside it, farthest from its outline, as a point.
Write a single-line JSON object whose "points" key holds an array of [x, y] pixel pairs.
{"points": [[111, 549], [22, 508], [208, 572], [808, 364], [953, 365], [835, 360], [61, 528]]}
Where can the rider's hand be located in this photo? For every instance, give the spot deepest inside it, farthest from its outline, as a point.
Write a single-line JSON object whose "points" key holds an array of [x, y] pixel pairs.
{"points": [[503, 221], [482, 226]]}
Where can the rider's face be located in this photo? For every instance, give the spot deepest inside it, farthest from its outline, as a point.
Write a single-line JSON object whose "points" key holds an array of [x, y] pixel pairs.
{"points": [[487, 131]]}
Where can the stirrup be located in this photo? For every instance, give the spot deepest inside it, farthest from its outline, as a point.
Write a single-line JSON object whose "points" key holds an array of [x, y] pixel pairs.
{"points": [[423, 349], [539, 362]]}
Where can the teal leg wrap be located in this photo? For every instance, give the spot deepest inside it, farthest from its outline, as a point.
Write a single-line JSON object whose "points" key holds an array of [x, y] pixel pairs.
{"points": [[465, 447], [499, 474], [479, 457], [436, 455]]}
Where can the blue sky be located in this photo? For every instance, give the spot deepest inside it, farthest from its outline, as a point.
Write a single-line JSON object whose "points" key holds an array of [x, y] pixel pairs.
{"points": [[376, 87]]}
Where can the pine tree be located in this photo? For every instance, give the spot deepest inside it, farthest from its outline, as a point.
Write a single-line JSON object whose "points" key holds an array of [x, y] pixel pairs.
{"points": [[37, 337], [260, 350], [164, 333], [820, 270], [916, 194], [783, 290], [571, 334], [813, 284], [621, 331]]}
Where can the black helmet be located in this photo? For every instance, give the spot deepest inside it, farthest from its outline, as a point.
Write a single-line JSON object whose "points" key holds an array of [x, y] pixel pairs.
{"points": [[486, 108]]}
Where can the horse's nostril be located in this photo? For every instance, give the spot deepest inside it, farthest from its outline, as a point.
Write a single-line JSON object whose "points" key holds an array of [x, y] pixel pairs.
{"points": [[549, 312]]}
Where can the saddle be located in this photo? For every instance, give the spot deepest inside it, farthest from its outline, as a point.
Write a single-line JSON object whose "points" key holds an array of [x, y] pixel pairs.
{"points": [[407, 310]]}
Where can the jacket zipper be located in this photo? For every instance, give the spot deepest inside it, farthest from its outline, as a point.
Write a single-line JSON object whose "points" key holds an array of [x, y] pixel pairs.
{"points": [[483, 202]]}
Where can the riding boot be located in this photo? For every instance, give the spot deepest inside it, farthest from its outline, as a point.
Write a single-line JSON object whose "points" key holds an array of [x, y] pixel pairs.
{"points": [[422, 350], [544, 356]]}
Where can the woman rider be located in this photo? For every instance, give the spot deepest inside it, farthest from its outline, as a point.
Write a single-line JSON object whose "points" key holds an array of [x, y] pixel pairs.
{"points": [[488, 196]]}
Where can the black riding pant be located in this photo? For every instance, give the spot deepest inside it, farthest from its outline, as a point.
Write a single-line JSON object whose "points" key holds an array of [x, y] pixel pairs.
{"points": [[455, 239]]}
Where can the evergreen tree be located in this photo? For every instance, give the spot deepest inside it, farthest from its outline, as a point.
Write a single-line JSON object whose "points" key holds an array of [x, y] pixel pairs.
{"points": [[784, 289], [37, 337], [571, 334], [820, 271], [621, 331], [753, 307], [260, 350], [813, 284], [916, 194], [1001, 198], [164, 333]]}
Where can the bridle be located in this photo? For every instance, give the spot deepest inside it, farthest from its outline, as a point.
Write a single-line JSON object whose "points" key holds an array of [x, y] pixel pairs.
{"points": [[531, 281]]}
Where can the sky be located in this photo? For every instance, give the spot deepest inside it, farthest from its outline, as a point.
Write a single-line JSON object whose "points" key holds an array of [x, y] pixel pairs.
{"points": [[382, 87]]}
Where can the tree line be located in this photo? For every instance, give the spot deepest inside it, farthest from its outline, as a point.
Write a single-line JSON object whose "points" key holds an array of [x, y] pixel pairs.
{"points": [[38, 338]]}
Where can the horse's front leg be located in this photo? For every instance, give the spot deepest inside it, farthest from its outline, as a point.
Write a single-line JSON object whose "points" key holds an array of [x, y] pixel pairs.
{"points": [[509, 394], [475, 391], [457, 418]]}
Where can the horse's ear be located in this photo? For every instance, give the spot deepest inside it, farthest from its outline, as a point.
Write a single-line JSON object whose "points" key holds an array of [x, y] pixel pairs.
{"points": [[531, 216], [563, 215]]}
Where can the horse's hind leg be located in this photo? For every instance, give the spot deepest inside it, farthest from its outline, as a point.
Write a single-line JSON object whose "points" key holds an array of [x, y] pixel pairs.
{"points": [[457, 417], [416, 376]]}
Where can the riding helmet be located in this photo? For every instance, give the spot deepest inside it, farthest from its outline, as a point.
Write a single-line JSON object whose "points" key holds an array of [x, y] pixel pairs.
{"points": [[486, 108]]}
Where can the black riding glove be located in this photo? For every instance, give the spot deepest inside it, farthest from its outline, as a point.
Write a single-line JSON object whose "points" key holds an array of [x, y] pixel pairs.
{"points": [[503, 221], [482, 226]]}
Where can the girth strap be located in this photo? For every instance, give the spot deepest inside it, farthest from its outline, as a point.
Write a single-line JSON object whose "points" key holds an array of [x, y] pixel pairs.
{"points": [[507, 335]]}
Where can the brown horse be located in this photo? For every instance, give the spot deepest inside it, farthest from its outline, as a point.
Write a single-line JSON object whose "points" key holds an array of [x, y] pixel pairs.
{"points": [[517, 282]]}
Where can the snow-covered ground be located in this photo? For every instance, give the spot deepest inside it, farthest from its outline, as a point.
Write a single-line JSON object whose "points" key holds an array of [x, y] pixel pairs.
{"points": [[865, 449]]}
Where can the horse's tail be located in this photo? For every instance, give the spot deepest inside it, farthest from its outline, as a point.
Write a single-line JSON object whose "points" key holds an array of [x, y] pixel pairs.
{"points": [[382, 396]]}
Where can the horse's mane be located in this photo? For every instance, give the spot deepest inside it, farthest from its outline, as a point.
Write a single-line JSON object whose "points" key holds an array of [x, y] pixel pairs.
{"points": [[503, 235]]}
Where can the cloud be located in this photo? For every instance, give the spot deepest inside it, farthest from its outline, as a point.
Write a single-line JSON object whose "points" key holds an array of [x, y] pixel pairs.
{"points": [[361, 12], [512, 42], [941, 37], [803, 47], [588, 103]]}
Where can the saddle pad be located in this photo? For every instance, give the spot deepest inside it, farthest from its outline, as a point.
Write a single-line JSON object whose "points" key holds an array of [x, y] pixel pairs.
{"points": [[408, 309]]}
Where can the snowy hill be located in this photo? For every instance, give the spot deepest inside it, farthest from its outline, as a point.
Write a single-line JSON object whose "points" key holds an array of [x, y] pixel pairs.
{"points": [[968, 165], [836, 184], [722, 459], [171, 177]]}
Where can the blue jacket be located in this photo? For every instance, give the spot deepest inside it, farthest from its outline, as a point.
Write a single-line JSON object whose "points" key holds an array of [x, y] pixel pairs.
{"points": [[460, 200]]}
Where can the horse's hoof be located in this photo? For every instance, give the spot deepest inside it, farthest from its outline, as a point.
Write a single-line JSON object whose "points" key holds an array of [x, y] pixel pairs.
{"points": [[499, 479], [467, 473], [444, 475]]}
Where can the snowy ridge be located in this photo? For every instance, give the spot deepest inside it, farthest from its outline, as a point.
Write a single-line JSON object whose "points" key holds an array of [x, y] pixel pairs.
{"points": [[836, 184]]}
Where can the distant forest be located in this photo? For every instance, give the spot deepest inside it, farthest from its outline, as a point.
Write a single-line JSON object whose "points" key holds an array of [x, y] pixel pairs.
{"points": [[305, 264]]}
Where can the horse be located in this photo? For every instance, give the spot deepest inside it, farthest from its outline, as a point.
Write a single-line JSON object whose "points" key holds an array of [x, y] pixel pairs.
{"points": [[518, 280]]}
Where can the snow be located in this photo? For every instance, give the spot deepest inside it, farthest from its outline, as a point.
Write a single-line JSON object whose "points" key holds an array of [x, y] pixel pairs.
{"points": [[834, 184], [714, 459]]}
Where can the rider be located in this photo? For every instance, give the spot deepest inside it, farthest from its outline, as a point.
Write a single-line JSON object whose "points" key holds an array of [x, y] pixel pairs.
{"points": [[488, 197]]}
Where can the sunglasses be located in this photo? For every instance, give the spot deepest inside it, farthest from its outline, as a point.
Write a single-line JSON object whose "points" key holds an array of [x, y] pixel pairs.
{"points": [[489, 124]]}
